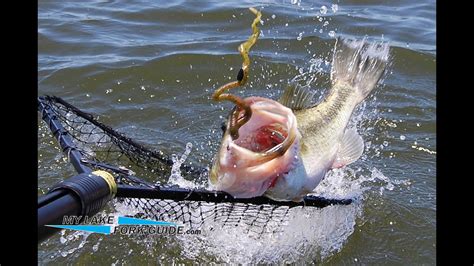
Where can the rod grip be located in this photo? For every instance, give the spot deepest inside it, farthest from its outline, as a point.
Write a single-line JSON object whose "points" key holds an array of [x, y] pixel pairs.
{"points": [[93, 190], [82, 195]]}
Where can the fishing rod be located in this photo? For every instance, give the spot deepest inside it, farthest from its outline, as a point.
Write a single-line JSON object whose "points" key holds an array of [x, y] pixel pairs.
{"points": [[82, 195]]}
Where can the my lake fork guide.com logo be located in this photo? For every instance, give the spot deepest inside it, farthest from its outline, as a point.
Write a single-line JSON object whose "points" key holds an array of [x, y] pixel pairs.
{"points": [[124, 226]]}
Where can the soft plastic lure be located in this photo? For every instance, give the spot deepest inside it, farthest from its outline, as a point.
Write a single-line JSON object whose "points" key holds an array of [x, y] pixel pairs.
{"points": [[238, 119]]}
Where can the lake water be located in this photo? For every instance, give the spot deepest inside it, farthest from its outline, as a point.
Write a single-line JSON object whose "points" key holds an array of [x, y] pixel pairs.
{"points": [[149, 68]]}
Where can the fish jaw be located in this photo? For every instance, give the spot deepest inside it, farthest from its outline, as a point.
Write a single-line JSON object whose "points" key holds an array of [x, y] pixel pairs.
{"points": [[238, 168]]}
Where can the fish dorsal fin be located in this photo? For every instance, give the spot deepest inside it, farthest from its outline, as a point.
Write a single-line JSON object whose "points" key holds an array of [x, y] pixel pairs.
{"points": [[296, 97], [350, 150]]}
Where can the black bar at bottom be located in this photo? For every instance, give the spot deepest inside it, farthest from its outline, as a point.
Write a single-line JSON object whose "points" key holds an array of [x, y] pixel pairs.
{"points": [[179, 194]]}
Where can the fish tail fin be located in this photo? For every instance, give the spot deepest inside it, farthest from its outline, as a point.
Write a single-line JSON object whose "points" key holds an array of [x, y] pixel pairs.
{"points": [[359, 64]]}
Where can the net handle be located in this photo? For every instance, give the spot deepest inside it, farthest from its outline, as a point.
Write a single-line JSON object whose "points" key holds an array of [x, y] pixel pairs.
{"points": [[62, 135]]}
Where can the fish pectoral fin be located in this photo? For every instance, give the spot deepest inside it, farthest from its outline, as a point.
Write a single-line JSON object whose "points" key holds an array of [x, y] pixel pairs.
{"points": [[350, 150], [296, 97]]}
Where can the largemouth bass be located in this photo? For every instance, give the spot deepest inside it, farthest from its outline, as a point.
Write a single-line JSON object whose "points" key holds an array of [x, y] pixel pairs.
{"points": [[284, 149]]}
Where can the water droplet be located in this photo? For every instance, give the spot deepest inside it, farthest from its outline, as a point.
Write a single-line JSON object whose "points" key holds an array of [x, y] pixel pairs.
{"points": [[273, 16], [332, 34], [189, 145], [300, 35], [323, 10], [334, 8], [295, 2], [95, 247], [385, 143], [402, 137]]}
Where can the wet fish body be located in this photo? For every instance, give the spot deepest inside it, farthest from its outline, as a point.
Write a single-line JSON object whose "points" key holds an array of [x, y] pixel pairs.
{"points": [[322, 140]]}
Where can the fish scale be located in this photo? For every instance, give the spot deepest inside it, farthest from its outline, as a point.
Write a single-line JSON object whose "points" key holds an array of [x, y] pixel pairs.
{"points": [[322, 126]]}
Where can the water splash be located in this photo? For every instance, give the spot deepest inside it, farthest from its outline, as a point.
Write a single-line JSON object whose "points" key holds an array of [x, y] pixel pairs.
{"points": [[176, 178], [300, 36], [74, 241], [296, 2], [309, 233], [423, 149]]}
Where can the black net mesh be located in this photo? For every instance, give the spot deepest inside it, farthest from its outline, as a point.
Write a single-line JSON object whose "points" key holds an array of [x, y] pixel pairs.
{"points": [[102, 148], [256, 219]]}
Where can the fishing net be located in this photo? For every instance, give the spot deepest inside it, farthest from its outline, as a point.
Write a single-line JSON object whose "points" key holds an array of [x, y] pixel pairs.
{"points": [[140, 174]]}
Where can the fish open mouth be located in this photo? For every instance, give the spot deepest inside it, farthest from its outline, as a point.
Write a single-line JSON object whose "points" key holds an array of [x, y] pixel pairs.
{"points": [[264, 149], [270, 131], [263, 138]]}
